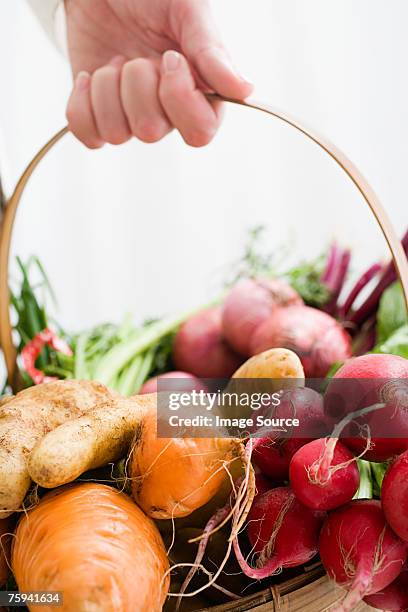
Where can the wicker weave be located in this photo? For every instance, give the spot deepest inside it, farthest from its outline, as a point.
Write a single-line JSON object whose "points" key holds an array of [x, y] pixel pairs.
{"points": [[306, 594]]}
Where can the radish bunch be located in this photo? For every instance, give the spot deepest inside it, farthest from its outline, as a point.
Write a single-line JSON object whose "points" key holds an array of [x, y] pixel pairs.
{"points": [[394, 597], [362, 543], [310, 494], [360, 551]]}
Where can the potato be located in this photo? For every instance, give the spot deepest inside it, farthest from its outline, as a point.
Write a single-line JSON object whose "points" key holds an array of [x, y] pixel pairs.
{"points": [[101, 436], [276, 363], [26, 418], [268, 372]]}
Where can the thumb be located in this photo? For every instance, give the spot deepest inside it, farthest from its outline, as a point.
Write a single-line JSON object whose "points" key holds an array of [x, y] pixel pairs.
{"points": [[200, 42]]}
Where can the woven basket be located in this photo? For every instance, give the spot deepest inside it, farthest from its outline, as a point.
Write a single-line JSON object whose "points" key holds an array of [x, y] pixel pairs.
{"points": [[312, 591]]}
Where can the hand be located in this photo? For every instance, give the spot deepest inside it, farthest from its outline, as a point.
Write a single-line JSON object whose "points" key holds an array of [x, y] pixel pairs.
{"points": [[141, 67]]}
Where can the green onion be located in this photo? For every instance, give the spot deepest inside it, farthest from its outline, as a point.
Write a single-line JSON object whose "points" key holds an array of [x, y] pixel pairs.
{"points": [[144, 370], [116, 359], [127, 382]]}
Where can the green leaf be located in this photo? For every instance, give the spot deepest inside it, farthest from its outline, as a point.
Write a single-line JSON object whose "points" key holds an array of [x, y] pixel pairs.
{"points": [[396, 344], [392, 312], [45, 278], [335, 367], [378, 471], [81, 371], [305, 279], [255, 261]]}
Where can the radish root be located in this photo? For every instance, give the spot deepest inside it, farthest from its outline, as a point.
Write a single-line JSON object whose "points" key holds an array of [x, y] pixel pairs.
{"points": [[243, 493], [355, 595], [363, 578], [268, 550], [215, 521], [321, 471]]}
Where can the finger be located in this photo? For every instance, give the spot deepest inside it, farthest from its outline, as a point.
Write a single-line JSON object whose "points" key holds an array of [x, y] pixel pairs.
{"points": [[140, 99], [186, 106], [201, 44], [79, 113], [110, 118]]}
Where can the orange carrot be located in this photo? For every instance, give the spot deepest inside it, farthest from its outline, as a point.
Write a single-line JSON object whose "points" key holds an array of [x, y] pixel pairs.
{"points": [[93, 544], [172, 477]]}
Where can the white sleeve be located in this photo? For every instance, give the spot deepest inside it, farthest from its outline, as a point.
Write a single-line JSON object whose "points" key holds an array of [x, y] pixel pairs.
{"points": [[51, 14]]}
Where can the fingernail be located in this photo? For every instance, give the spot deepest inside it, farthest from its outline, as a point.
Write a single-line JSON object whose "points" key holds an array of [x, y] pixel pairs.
{"points": [[82, 80], [223, 57], [245, 80], [171, 61]]}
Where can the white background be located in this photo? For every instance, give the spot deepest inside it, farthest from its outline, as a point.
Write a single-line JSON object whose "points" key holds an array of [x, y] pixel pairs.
{"points": [[150, 228]]}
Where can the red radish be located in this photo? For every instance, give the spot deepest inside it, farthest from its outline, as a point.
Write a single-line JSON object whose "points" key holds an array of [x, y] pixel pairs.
{"points": [[371, 380], [360, 551], [200, 348], [394, 597], [282, 531], [321, 479], [307, 406], [394, 496], [272, 455], [183, 382], [249, 303], [262, 484], [317, 338]]}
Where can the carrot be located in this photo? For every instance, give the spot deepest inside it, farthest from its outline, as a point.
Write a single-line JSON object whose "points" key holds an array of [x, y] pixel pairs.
{"points": [[172, 477], [95, 546]]}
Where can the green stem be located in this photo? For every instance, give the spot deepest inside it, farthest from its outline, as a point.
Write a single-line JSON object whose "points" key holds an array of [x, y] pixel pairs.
{"points": [[365, 490], [126, 383], [144, 371], [117, 358], [51, 370], [378, 471]]}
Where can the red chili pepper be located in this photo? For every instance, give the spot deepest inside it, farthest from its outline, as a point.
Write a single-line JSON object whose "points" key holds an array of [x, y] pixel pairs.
{"points": [[33, 348]]}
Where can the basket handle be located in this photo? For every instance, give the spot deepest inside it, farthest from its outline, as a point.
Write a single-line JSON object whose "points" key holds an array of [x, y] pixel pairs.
{"points": [[398, 254]]}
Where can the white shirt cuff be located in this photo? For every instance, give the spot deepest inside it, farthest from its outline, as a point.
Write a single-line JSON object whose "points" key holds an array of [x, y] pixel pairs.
{"points": [[51, 14]]}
